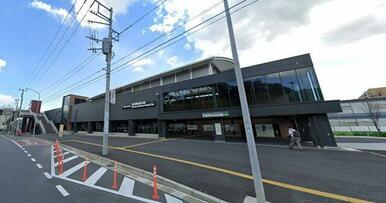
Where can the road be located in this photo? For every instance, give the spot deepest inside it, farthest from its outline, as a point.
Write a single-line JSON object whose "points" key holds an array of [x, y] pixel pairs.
{"points": [[223, 170], [26, 176]]}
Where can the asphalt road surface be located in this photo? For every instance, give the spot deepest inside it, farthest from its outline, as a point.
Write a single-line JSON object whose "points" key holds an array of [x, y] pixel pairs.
{"points": [[223, 170], [25, 171]]}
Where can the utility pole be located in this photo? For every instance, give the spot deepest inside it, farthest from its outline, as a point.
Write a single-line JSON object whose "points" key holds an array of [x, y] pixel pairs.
{"points": [[107, 45], [256, 173], [21, 106]]}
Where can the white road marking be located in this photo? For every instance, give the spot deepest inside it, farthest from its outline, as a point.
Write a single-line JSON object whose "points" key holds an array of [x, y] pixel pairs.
{"points": [[62, 190], [95, 176], [33, 160], [16, 143], [67, 160], [29, 155], [73, 169], [127, 186], [107, 190], [65, 153], [350, 149], [26, 151], [171, 199], [47, 175], [52, 161], [39, 166]]}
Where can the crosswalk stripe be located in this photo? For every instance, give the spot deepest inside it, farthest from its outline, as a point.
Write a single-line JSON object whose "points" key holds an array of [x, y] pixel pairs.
{"points": [[127, 187], [73, 169], [67, 160], [65, 153], [96, 176], [171, 199]]}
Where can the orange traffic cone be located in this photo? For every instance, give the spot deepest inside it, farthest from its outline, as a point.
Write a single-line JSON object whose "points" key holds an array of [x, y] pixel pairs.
{"points": [[155, 192], [115, 186], [84, 177]]}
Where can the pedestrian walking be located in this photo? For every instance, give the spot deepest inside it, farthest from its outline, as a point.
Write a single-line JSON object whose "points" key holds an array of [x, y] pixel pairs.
{"points": [[294, 136]]}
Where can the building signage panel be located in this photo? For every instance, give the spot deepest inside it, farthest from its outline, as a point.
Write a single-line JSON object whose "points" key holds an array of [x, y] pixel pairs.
{"points": [[215, 114], [136, 105]]}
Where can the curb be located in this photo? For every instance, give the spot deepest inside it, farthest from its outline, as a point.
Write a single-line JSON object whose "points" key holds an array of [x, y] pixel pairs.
{"points": [[166, 185]]}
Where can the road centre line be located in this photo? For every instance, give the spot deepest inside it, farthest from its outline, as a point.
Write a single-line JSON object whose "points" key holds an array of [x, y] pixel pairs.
{"points": [[242, 175], [33, 160], [39, 166]]}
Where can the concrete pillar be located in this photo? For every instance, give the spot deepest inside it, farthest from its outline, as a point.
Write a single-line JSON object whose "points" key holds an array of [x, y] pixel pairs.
{"points": [[161, 128], [89, 127], [131, 128]]}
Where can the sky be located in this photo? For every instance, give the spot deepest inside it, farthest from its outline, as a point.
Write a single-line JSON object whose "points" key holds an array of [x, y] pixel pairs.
{"points": [[346, 40]]}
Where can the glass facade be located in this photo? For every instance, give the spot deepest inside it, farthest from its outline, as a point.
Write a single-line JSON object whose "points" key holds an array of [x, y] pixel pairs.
{"points": [[146, 126], [291, 86]]}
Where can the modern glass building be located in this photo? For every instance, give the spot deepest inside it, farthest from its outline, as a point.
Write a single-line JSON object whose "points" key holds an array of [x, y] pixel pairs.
{"points": [[201, 100]]}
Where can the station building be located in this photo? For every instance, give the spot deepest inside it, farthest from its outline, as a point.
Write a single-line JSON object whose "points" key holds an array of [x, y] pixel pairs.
{"points": [[201, 100]]}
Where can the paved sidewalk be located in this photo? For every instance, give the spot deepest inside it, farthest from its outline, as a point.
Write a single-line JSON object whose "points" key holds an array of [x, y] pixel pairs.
{"points": [[364, 146]]}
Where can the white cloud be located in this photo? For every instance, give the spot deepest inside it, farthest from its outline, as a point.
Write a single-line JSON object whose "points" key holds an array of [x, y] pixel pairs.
{"points": [[348, 58], [60, 13], [3, 63], [172, 61], [138, 66], [6, 99]]}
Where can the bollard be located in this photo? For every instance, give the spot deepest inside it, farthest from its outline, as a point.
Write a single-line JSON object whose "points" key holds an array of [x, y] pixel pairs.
{"points": [[115, 186], [84, 177], [155, 192], [60, 163]]}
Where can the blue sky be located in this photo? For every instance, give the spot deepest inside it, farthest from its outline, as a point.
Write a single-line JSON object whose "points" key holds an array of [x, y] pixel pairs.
{"points": [[346, 45]]}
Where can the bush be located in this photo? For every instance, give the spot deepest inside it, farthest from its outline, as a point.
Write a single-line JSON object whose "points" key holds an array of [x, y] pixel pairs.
{"points": [[360, 133]]}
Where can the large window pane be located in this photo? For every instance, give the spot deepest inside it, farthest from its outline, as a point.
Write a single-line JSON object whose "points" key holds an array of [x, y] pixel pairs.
{"points": [[207, 96], [275, 88], [169, 101], [223, 95], [233, 93], [291, 86], [195, 98], [309, 89], [261, 91], [249, 92]]}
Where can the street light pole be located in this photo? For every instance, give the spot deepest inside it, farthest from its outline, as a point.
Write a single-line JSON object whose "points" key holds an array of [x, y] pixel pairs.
{"points": [[21, 106], [33, 133], [257, 180]]}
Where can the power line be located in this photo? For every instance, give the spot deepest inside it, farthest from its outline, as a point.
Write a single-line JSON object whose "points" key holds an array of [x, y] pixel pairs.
{"points": [[72, 72], [145, 45], [155, 39], [52, 41], [57, 44], [139, 19], [186, 31], [135, 22], [148, 52], [166, 34]]}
